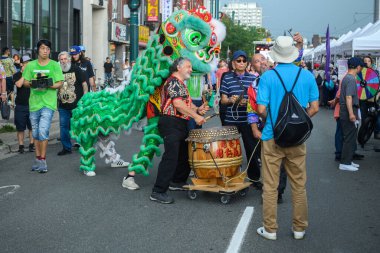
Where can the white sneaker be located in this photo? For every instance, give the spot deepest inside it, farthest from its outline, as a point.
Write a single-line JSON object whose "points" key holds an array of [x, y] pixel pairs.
{"points": [[355, 165], [270, 236], [119, 164], [299, 235], [130, 184], [347, 167], [89, 173]]}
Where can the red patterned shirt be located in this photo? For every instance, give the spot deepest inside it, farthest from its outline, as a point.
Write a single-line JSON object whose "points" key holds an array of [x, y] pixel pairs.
{"points": [[174, 89]]}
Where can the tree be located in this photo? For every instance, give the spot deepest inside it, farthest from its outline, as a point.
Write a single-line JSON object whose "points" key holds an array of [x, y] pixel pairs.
{"points": [[240, 37]]}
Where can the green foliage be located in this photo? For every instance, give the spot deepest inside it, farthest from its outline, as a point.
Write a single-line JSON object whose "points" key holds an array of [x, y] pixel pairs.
{"points": [[7, 129], [241, 37]]}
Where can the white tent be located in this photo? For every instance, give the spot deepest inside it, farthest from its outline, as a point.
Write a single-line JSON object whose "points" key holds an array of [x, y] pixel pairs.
{"points": [[369, 40]]}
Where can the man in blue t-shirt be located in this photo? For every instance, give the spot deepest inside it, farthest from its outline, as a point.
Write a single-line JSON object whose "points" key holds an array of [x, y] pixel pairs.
{"points": [[270, 94], [233, 91]]}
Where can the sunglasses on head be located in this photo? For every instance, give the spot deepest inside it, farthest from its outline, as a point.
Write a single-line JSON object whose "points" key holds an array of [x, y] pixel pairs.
{"points": [[241, 60]]}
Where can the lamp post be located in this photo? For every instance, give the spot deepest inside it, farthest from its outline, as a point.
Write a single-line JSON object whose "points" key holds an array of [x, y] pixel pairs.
{"points": [[134, 29]]}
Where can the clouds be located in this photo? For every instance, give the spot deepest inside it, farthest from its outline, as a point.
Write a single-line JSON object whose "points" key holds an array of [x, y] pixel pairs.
{"points": [[311, 17]]}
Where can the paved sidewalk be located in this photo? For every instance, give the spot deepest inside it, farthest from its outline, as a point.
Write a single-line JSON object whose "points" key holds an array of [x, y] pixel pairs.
{"points": [[9, 145]]}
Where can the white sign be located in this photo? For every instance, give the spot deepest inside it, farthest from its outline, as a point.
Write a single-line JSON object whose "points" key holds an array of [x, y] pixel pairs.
{"points": [[342, 68], [118, 32], [167, 9]]}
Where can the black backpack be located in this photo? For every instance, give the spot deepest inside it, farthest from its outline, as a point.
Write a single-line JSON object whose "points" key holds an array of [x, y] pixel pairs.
{"points": [[293, 124]]}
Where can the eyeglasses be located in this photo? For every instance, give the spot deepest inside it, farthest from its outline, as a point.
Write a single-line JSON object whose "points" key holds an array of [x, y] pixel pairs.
{"points": [[240, 60]]}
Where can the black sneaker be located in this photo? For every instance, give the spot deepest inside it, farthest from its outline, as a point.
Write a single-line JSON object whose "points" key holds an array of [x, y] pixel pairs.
{"points": [[20, 149], [257, 185], [31, 147], [64, 152], [161, 197], [76, 145], [177, 186]]}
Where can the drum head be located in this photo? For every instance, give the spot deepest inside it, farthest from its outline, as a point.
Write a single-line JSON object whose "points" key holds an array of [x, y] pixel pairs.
{"points": [[208, 135]]}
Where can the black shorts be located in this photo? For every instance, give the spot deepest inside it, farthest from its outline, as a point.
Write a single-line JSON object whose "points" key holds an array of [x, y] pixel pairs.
{"points": [[22, 120], [9, 82]]}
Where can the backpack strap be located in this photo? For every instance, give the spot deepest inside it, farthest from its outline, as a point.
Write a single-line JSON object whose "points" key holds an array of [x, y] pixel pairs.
{"points": [[282, 82], [283, 85]]}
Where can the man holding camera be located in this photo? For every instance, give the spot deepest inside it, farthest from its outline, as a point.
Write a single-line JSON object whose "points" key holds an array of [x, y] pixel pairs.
{"points": [[44, 76]]}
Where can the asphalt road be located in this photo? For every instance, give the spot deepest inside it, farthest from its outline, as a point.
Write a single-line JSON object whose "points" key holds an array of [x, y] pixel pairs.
{"points": [[65, 211]]}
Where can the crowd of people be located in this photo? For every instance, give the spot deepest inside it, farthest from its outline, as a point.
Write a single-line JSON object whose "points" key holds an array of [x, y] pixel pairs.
{"points": [[251, 94]]}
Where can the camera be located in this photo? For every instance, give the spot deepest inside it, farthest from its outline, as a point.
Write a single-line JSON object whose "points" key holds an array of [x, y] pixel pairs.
{"points": [[42, 82]]}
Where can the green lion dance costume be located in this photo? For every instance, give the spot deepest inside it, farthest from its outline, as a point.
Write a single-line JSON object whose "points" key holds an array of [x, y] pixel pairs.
{"points": [[100, 115]]}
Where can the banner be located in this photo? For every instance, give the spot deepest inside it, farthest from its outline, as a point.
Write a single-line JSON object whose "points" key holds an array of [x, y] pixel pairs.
{"points": [[152, 10], [327, 64], [143, 35], [342, 68], [118, 32], [167, 9]]}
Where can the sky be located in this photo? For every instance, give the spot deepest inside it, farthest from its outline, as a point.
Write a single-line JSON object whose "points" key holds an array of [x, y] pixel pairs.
{"points": [[312, 17]]}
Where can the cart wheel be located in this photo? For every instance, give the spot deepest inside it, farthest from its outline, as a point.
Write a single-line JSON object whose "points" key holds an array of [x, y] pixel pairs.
{"points": [[192, 194], [225, 199], [243, 192]]}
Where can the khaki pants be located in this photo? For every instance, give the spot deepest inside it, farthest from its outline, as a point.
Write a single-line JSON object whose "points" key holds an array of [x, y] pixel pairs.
{"points": [[294, 159]]}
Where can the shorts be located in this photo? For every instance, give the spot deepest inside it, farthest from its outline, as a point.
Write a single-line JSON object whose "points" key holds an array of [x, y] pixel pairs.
{"points": [[9, 82], [41, 122], [22, 120]]}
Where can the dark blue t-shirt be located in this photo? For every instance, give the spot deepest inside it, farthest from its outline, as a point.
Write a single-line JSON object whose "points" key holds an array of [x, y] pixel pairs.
{"points": [[232, 84]]}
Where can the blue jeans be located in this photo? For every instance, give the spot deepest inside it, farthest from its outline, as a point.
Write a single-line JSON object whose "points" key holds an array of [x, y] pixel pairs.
{"points": [[64, 125], [191, 123], [107, 76], [41, 122]]}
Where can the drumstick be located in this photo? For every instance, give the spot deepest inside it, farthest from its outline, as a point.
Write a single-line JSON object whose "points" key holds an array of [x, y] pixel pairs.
{"points": [[211, 116]]}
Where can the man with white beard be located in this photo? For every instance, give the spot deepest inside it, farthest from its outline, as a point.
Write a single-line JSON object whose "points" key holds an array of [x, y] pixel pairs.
{"points": [[73, 88]]}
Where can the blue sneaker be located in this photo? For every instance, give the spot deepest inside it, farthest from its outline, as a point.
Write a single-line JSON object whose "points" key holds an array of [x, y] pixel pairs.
{"points": [[36, 165], [43, 167]]}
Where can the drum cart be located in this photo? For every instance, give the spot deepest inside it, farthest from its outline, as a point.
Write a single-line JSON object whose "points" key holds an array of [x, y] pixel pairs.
{"points": [[215, 157], [225, 189]]}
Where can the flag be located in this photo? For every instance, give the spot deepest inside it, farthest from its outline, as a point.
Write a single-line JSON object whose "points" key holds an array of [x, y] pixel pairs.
{"points": [[327, 64]]}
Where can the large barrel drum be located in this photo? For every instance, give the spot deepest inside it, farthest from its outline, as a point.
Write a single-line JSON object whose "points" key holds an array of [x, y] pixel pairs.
{"points": [[215, 152]]}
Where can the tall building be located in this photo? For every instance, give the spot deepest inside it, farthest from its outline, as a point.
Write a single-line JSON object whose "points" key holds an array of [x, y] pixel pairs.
{"points": [[376, 15], [24, 22], [249, 14]]}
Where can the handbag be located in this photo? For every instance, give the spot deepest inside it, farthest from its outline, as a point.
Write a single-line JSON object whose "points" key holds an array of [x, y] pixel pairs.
{"points": [[5, 110]]}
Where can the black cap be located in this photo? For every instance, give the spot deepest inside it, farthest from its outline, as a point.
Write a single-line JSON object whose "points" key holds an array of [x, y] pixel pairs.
{"points": [[354, 62]]}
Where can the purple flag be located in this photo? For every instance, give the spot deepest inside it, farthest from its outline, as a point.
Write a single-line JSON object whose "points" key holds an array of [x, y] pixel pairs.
{"points": [[327, 65]]}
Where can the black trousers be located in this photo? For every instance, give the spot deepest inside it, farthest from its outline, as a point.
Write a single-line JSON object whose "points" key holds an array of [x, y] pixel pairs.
{"points": [[349, 141], [250, 143], [174, 165]]}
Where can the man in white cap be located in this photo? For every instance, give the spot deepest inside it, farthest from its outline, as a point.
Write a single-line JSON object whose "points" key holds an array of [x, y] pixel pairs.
{"points": [[270, 94]]}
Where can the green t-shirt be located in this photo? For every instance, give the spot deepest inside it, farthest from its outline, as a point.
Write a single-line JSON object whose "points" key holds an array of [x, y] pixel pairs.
{"points": [[40, 98]]}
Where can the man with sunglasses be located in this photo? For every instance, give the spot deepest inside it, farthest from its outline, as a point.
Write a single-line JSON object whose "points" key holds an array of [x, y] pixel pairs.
{"points": [[234, 95]]}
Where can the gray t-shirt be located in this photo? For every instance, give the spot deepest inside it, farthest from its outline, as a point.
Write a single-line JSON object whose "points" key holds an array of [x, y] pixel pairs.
{"points": [[348, 89]]}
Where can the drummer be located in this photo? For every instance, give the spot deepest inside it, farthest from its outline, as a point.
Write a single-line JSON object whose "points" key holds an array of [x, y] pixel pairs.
{"points": [[233, 90], [176, 109]]}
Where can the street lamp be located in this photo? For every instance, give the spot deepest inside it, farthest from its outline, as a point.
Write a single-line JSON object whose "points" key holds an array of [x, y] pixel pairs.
{"points": [[134, 33]]}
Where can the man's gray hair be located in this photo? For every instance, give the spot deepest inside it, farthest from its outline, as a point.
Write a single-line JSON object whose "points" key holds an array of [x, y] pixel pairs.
{"points": [[66, 53], [178, 63]]}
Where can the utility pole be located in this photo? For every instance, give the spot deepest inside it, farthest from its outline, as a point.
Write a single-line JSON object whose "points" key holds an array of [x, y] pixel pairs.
{"points": [[134, 27]]}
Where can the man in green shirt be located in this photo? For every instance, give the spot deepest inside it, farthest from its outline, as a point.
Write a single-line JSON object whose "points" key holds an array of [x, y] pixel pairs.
{"points": [[44, 76]]}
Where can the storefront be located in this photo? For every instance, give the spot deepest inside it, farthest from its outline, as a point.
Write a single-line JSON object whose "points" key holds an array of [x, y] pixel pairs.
{"points": [[24, 22], [118, 41]]}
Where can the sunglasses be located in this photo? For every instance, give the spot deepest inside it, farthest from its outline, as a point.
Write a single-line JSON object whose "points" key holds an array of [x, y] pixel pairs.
{"points": [[240, 60]]}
